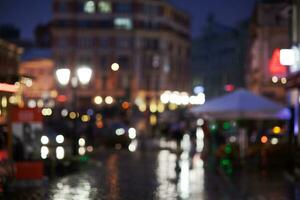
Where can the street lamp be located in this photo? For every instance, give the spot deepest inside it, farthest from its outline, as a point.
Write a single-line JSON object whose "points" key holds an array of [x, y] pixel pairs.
{"points": [[115, 67], [83, 75], [63, 76]]}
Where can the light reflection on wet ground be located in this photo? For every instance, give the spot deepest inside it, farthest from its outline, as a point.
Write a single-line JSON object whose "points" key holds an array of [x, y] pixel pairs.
{"points": [[159, 175], [125, 175]]}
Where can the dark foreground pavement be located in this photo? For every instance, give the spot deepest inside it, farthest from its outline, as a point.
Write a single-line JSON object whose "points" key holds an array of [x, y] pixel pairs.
{"points": [[160, 175]]}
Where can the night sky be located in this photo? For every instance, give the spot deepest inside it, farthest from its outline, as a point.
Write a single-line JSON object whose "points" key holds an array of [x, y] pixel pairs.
{"points": [[26, 14]]}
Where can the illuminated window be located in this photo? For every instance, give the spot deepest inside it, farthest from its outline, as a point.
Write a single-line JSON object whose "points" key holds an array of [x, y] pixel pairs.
{"points": [[123, 23], [89, 7], [104, 7]]}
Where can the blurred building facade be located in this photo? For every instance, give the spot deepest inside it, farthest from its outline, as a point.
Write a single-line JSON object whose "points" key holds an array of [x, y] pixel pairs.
{"points": [[37, 63], [269, 33], [148, 39], [43, 37], [9, 63], [218, 58]]}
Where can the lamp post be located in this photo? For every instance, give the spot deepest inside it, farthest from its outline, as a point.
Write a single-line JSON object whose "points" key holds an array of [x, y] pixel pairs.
{"points": [[82, 76]]}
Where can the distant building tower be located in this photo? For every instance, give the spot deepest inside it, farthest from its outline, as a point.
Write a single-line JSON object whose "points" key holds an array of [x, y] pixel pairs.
{"points": [[43, 36], [269, 33], [150, 40], [9, 32], [218, 58]]}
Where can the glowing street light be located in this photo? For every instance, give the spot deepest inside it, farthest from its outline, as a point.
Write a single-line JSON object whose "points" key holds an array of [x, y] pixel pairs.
{"points": [[63, 76], [60, 152], [115, 67], [287, 56], [84, 74], [59, 139], [44, 140], [109, 100], [98, 100], [165, 97]]}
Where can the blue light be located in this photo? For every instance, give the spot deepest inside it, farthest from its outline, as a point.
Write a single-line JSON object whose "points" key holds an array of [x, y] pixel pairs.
{"points": [[198, 89], [90, 112]]}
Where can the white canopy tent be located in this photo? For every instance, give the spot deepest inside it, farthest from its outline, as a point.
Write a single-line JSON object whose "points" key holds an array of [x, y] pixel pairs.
{"points": [[242, 104]]}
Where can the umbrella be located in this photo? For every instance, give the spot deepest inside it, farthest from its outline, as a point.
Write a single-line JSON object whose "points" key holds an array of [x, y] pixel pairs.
{"points": [[242, 104]]}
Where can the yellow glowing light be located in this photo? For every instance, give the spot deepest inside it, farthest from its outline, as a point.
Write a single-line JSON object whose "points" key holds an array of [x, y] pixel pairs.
{"points": [[264, 139], [72, 115], [172, 106], [276, 130], [4, 102], [165, 97], [153, 120], [98, 116], [274, 79], [160, 107], [85, 118], [142, 107], [40, 103], [98, 100], [115, 67], [153, 107], [109, 100], [283, 81], [53, 94], [27, 81], [13, 100], [46, 111]]}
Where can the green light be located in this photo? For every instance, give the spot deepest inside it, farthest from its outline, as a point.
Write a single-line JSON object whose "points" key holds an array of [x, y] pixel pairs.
{"points": [[228, 149], [84, 158], [213, 127], [226, 125], [229, 170], [225, 162]]}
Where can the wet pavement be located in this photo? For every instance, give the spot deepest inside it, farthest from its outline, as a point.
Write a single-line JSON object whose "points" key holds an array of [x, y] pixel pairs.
{"points": [[160, 175]]}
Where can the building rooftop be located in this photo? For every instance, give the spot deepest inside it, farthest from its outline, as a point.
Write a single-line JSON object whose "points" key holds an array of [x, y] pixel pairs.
{"points": [[36, 53]]}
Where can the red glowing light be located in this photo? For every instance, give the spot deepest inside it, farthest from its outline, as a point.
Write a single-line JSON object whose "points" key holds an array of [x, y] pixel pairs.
{"points": [[264, 139], [125, 105], [3, 155], [5, 87], [99, 124], [62, 98], [274, 64], [229, 88]]}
